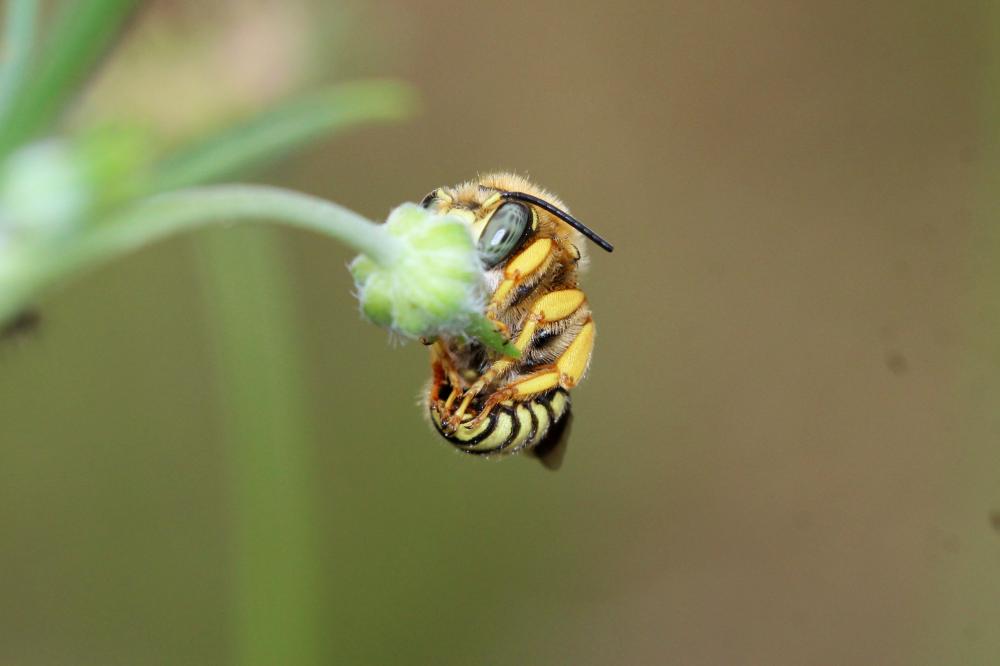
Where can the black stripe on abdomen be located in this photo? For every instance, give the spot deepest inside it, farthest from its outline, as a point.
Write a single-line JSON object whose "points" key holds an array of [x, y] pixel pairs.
{"points": [[510, 427]]}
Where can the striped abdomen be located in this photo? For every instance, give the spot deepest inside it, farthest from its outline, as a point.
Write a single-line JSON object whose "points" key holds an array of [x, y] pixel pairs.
{"points": [[511, 426]]}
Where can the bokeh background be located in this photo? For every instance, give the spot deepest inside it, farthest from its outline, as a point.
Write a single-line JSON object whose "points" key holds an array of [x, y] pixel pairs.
{"points": [[786, 451]]}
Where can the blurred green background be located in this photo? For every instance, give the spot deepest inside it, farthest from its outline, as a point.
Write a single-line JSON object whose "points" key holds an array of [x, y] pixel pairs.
{"points": [[786, 449]]}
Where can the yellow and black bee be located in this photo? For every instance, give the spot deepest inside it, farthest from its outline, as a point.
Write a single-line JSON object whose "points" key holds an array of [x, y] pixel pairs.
{"points": [[484, 402]]}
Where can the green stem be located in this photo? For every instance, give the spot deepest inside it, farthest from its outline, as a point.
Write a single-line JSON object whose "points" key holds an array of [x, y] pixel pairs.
{"points": [[261, 390], [485, 331], [18, 39], [170, 214]]}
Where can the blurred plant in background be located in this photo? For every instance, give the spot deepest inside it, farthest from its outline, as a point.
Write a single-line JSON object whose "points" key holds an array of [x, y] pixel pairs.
{"points": [[57, 192], [75, 199], [78, 190]]}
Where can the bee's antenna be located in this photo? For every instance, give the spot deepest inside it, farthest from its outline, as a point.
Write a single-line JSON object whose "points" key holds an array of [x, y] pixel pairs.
{"points": [[562, 215]]}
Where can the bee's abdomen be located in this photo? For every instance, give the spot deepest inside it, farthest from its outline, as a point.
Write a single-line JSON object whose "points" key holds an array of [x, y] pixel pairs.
{"points": [[510, 427]]}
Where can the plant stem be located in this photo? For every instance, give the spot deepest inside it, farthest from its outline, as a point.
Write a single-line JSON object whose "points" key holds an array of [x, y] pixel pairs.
{"points": [[168, 214], [18, 41], [262, 395], [176, 212]]}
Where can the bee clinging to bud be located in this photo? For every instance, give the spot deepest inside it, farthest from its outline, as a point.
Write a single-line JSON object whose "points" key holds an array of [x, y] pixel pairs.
{"points": [[531, 248]]}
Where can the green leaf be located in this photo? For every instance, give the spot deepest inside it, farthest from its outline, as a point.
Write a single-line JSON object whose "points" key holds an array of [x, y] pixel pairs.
{"points": [[83, 32], [18, 40], [278, 131]]}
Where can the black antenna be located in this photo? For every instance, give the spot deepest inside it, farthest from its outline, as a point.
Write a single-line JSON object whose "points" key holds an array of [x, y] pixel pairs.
{"points": [[562, 215]]}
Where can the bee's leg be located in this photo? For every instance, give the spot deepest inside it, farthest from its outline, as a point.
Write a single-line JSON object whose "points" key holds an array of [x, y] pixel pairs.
{"points": [[553, 306], [496, 370], [523, 269], [544, 379], [444, 370], [566, 372]]}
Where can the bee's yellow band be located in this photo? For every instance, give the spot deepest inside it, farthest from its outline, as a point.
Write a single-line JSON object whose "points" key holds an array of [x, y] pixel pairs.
{"points": [[525, 263], [501, 293], [529, 260], [558, 304], [550, 307], [527, 333], [573, 362], [536, 384]]}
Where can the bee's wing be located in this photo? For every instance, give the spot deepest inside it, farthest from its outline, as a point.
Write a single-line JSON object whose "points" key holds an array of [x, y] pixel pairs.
{"points": [[551, 450]]}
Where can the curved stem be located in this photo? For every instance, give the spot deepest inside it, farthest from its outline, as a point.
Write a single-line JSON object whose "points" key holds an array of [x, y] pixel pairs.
{"points": [[165, 215], [183, 210]]}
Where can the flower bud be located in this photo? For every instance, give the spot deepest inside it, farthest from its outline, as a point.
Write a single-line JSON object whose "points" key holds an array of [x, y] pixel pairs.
{"points": [[43, 192], [431, 285]]}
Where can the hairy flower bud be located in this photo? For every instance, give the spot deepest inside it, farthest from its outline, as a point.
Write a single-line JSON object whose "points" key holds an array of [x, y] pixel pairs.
{"points": [[432, 283]]}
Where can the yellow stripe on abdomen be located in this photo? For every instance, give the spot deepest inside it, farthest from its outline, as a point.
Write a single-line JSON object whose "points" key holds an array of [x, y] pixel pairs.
{"points": [[510, 427]]}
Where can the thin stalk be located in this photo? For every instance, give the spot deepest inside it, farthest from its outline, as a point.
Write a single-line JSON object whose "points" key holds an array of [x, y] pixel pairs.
{"points": [[276, 611], [18, 42], [176, 212], [170, 214]]}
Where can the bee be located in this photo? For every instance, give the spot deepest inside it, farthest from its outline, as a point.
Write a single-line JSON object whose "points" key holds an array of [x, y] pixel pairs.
{"points": [[484, 402]]}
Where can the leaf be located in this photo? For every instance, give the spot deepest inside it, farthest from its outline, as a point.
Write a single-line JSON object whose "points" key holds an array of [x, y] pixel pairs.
{"points": [[18, 41], [83, 32], [278, 131]]}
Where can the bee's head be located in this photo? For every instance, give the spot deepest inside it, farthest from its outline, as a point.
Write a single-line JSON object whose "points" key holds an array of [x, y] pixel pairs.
{"points": [[504, 210]]}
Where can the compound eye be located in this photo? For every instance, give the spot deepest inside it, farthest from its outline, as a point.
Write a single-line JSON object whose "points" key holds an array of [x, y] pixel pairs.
{"points": [[504, 233]]}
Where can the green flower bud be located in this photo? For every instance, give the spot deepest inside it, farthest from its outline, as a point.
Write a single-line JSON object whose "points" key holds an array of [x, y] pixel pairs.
{"points": [[43, 191], [432, 284]]}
